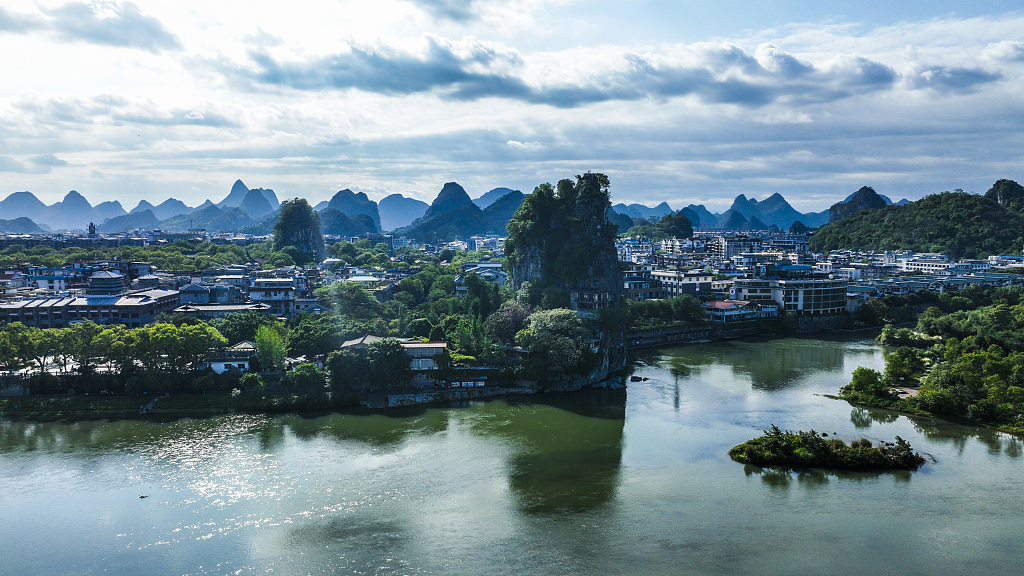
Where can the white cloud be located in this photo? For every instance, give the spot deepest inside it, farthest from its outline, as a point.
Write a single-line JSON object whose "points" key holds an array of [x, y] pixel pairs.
{"points": [[381, 97], [120, 24]]}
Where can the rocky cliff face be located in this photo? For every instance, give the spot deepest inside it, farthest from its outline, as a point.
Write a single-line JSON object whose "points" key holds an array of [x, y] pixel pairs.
{"points": [[863, 199], [564, 241], [1007, 193]]}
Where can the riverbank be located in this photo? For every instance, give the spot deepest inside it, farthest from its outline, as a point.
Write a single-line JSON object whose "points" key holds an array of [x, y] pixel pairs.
{"points": [[133, 407]]}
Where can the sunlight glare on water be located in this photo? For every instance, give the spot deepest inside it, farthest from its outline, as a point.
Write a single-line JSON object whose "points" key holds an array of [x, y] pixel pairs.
{"points": [[585, 483]]}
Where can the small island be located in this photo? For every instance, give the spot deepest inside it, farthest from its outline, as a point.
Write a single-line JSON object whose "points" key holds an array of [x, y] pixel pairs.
{"points": [[778, 448]]}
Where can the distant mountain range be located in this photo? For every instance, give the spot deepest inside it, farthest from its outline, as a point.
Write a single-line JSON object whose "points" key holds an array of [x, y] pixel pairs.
{"points": [[453, 214], [397, 211], [744, 214]]}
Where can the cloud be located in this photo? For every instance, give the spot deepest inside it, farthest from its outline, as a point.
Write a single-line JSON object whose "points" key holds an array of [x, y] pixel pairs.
{"points": [[8, 164], [47, 160], [107, 23], [112, 24], [18, 23], [466, 67], [714, 72], [1006, 50], [178, 117], [953, 79], [456, 10], [112, 109]]}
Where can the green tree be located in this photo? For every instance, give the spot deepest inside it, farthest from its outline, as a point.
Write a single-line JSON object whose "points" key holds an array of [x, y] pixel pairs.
{"points": [[305, 376], [270, 348], [252, 380], [559, 344], [352, 300], [241, 326], [348, 368], [388, 361]]}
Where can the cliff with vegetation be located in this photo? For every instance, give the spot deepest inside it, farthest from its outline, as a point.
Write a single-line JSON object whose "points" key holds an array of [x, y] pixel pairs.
{"points": [[957, 223], [299, 227], [561, 241]]}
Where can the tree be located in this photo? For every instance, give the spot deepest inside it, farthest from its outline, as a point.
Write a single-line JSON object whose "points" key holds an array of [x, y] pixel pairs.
{"points": [[251, 380], [559, 344], [241, 326], [388, 361], [350, 299], [315, 335], [348, 368], [299, 226], [270, 348], [503, 325], [305, 376]]}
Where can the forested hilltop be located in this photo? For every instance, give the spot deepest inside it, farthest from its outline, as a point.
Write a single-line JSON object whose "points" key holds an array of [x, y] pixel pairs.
{"points": [[956, 223]]}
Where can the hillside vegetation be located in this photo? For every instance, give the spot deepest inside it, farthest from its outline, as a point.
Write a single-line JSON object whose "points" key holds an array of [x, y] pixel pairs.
{"points": [[960, 224]]}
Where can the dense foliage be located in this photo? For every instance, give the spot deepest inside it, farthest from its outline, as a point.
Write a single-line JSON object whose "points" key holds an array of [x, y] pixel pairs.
{"points": [[967, 361], [955, 223], [778, 448]]}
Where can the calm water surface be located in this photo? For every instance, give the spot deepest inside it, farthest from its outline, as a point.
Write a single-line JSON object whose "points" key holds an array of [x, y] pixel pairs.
{"points": [[601, 483]]}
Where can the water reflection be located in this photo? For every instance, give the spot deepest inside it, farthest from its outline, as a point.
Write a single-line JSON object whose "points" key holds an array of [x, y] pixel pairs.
{"points": [[567, 459], [782, 364], [960, 436], [862, 416], [780, 478], [380, 430]]}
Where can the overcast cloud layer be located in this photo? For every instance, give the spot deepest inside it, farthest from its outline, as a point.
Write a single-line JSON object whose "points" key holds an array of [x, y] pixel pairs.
{"points": [[125, 101]]}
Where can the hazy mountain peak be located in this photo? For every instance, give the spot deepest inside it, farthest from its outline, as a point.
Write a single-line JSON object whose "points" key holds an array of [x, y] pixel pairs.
{"points": [[492, 196], [142, 206], [73, 197], [397, 211], [255, 204], [235, 197]]}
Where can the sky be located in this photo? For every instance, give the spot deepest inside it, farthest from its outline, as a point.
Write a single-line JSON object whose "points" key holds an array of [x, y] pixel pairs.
{"points": [[678, 101]]}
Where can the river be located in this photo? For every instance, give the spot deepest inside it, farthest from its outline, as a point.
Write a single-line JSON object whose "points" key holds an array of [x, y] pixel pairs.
{"points": [[634, 482]]}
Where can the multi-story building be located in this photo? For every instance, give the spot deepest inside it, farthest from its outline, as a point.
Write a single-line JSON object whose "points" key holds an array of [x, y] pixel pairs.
{"points": [[729, 246], [802, 296], [134, 310], [277, 293], [679, 282]]}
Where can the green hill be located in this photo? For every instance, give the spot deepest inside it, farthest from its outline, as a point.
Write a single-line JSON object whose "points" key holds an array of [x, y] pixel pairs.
{"points": [[20, 225], [960, 224]]}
